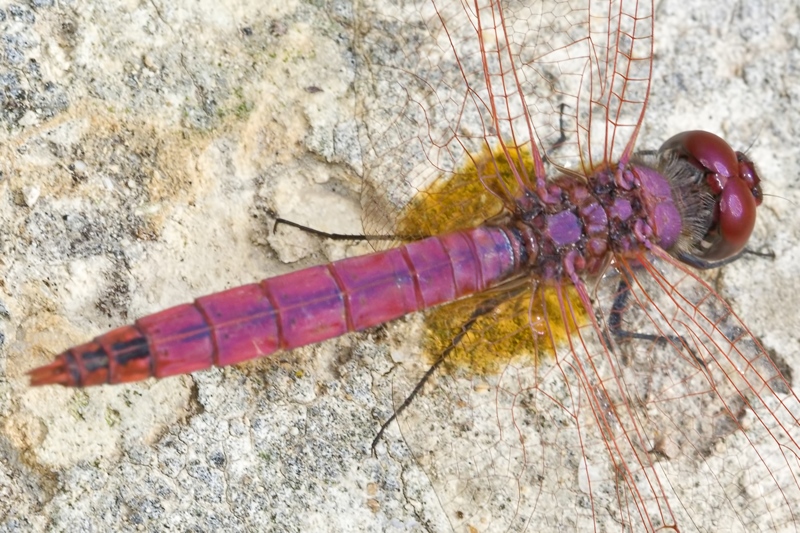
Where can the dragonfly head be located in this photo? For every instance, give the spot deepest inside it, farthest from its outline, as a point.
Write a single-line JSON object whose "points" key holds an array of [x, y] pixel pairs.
{"points": [[731, 180]]}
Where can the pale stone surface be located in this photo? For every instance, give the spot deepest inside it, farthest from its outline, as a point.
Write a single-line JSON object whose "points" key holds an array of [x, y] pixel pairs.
{"points": [[158, 137]]}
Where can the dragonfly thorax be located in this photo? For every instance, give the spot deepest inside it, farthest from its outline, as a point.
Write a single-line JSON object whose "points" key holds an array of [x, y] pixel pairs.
{"points": [[695, 198], [611, 212]]}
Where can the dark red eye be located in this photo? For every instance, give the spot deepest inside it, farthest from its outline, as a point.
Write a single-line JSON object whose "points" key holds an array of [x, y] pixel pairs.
{"points": [[732, 179], [747, 171]]}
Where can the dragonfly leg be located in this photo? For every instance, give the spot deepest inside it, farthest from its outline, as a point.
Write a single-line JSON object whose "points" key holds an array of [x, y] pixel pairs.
{"points": [[337, 236], [485, 307], [615, 324], [323, 234], [562, 138], [704, 264], [615, 319]]}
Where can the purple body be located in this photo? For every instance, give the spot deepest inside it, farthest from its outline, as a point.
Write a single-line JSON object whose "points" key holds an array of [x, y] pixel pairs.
{"points": [[296, 309], [560, 237]]}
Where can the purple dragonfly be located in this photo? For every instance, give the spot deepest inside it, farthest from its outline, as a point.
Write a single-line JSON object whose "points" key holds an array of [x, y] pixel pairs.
{"points": [[564, 267]]}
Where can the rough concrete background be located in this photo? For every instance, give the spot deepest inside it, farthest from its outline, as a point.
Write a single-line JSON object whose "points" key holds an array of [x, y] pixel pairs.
{"points": [[144, 145]]}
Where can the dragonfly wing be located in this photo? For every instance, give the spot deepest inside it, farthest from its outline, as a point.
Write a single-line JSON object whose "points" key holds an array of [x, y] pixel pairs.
{"points": [[521, 448], [441, 82], [585, 73], [469, 427], [690, 425], [714, 412], [438, 88]]}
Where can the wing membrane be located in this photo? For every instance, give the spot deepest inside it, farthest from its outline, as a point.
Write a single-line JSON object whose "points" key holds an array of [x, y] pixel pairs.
{"points": [[672, 417], [442, 83], [435, 101], [694, 427]]}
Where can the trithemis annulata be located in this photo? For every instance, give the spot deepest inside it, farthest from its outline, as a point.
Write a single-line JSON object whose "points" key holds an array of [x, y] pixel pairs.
{"points": [[526, 100]]}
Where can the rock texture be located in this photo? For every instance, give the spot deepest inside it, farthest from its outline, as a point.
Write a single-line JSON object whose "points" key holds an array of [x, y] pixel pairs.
{"points": [[144, 149]]}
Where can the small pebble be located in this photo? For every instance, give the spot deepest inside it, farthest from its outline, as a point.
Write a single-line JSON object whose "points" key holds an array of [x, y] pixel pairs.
{"points": [[80, 168], [30, 195], [149, 63]]}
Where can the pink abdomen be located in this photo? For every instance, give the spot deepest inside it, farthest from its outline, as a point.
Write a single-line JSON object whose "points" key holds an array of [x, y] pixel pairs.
{"points": [[292, 310]]}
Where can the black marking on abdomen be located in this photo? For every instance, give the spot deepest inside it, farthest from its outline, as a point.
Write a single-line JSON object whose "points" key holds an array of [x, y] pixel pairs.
{"points": [[130, 350], [95, 360]]}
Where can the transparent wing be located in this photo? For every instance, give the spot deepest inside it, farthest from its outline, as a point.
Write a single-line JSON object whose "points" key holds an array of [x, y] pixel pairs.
{"points": [[437, 89], [689, 426], [585, 70], [717, 417], [660, 412], [440, 84]]}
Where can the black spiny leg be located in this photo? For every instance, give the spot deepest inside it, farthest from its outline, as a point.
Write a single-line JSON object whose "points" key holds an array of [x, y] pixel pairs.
{"points": [[704, 264], [562, 138], [341, 236], [324, 234], [615, 323], [620, 307], [615, 320], [485, 307]]}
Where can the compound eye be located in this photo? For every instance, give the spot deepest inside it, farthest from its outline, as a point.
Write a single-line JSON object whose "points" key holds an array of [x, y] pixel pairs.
{"points": [[732, 179], [735, 217], [747, 169]]}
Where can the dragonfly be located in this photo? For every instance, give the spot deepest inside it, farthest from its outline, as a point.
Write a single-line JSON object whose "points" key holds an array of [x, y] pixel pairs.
{"points": [[509, 179]]}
